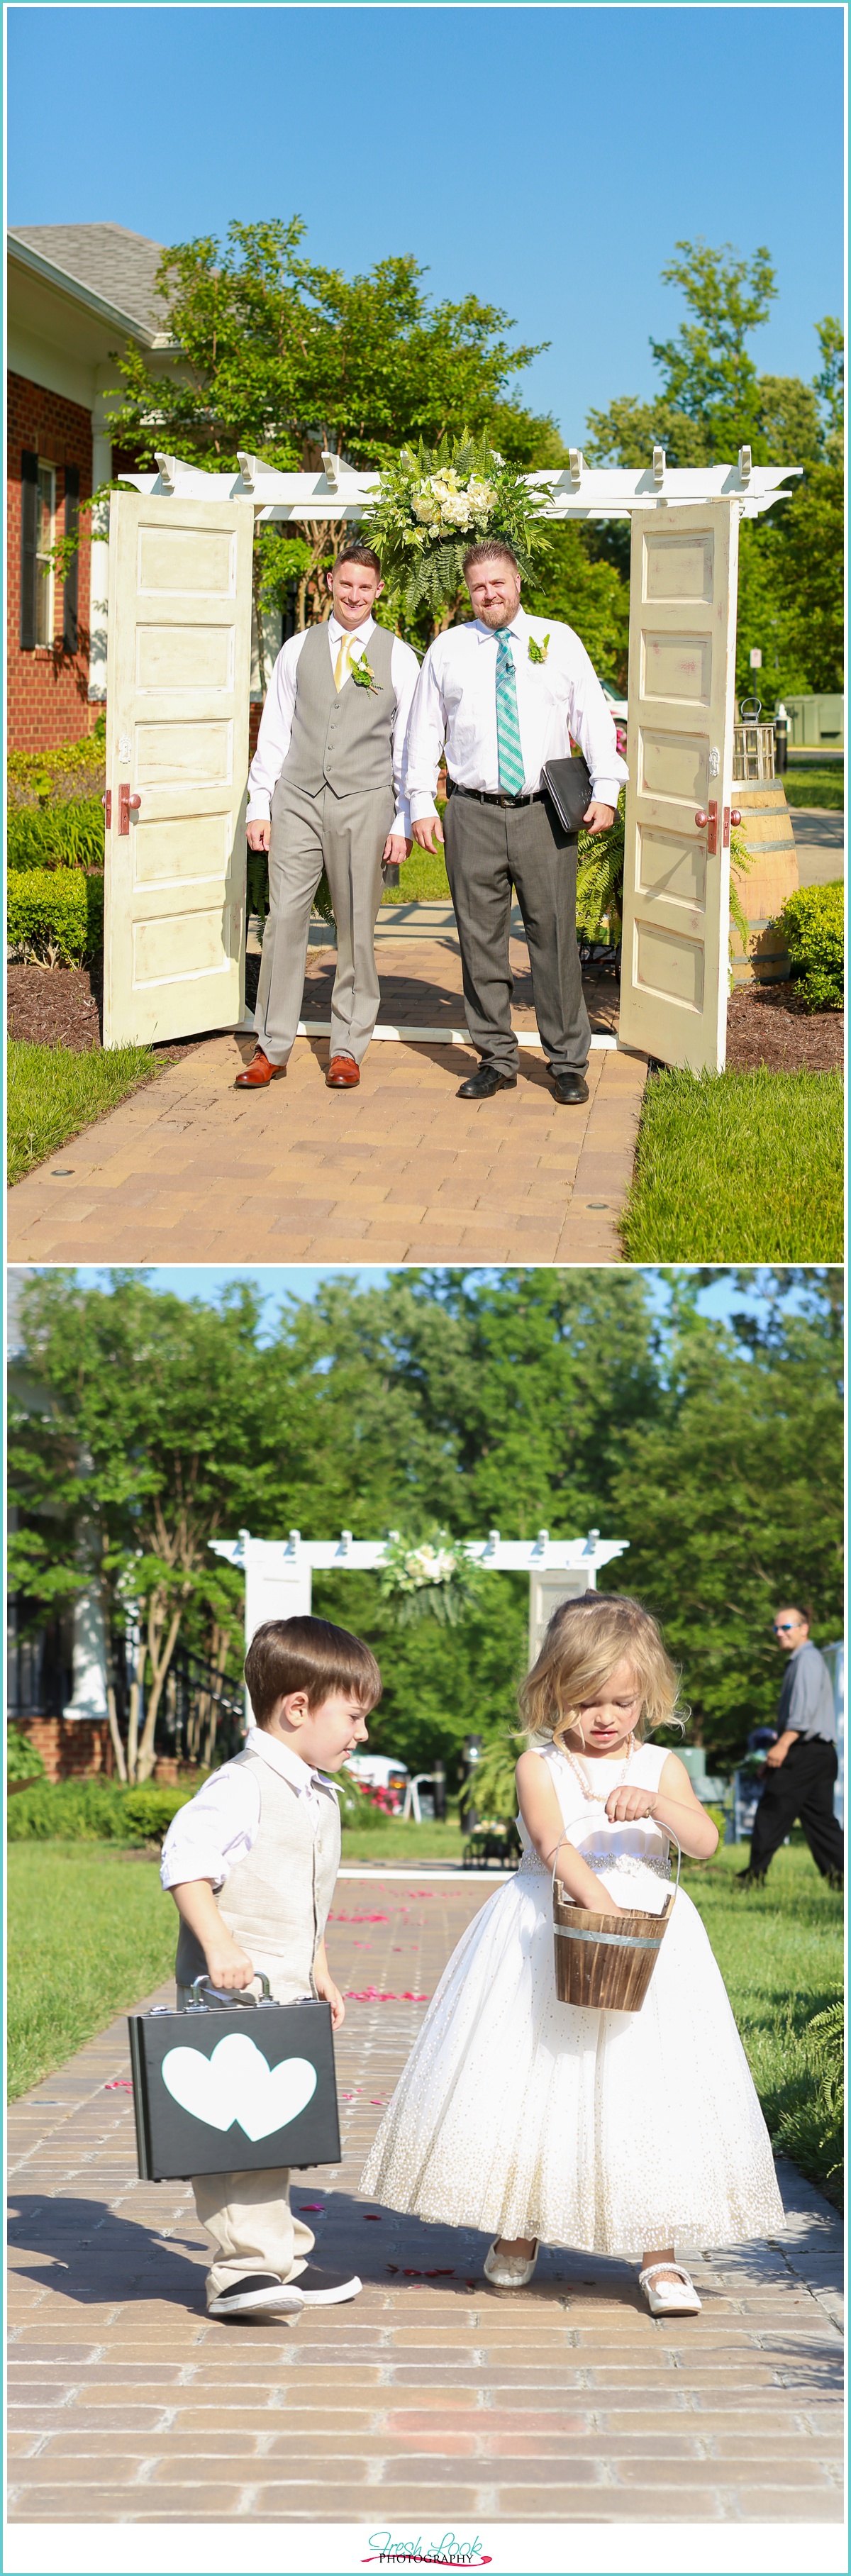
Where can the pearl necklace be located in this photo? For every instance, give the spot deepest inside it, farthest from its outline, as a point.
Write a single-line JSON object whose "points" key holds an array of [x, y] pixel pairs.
{"points": [[597, 1797]]}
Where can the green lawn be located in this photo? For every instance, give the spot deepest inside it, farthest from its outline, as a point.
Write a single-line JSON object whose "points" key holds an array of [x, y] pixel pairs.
{"points": [[90, 1932], [814, 786], [53, 1093], [780, 1951], [738, 1167], [422, 879]]}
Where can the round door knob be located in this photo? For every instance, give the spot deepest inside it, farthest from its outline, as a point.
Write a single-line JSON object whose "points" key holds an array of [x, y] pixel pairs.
{"points": [[735, 816], [134, 803], [700, 819]]}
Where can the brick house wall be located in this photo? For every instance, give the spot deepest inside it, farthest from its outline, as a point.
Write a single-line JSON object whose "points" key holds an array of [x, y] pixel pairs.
{"points": [[70, 1748], [48, 687]]}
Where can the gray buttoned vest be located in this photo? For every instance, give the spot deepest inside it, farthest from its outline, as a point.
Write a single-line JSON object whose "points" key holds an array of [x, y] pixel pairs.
{"points": [[275, 1902], [343, 741]]}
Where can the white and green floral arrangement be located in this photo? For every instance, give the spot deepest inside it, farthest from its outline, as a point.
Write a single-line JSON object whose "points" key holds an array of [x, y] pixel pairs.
{"points": [[434, 503], [428, 1578]]}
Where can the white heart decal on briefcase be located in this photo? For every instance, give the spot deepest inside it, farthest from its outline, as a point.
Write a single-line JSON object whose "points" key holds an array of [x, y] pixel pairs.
{"points": [[235, 2083]]}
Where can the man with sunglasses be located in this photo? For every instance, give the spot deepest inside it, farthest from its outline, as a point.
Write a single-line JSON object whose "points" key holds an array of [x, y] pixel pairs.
{"points": [[801, 1766]]}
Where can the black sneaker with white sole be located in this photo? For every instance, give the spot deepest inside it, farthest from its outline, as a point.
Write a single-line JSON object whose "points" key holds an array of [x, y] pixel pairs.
{"points": [[318, 2289], [257, 2290]]}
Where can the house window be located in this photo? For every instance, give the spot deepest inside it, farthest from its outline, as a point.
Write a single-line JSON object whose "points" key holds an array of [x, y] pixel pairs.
{"points": [[38, 509], [45, 517]]}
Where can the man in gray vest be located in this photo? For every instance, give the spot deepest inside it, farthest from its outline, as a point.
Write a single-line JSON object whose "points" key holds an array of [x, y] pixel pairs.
{"points": [[325, 790], [801, 1766]]}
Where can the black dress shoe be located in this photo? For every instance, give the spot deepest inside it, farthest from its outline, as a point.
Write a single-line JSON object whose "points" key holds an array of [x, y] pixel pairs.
{"points": [[570, 1087], [482, 1085]]}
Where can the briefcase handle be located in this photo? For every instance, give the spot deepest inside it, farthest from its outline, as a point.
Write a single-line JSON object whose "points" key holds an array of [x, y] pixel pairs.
{"points": [[241, 1996]]}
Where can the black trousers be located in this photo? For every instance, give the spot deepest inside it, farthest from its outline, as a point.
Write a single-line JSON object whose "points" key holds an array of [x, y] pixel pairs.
{"points": [[802, 1788]]}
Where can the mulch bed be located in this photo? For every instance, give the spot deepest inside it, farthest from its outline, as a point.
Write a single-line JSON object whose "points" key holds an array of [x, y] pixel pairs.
{"points": [[767, 1024], [63, 1006]]}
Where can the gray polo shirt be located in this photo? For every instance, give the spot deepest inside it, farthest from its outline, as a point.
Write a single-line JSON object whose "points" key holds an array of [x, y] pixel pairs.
{"points": [[806, 1699]]}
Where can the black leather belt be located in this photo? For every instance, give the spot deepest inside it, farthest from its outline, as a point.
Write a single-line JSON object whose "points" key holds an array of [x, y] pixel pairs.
{"points": [[483, 796]]}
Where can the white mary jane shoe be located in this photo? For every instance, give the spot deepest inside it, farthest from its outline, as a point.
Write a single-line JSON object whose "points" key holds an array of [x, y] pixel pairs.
{"points": [[669, 2298], [509, 2271]]}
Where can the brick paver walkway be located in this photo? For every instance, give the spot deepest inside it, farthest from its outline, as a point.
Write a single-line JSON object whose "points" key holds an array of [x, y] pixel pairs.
{"points": [[430, 2396], [398, 1170]]}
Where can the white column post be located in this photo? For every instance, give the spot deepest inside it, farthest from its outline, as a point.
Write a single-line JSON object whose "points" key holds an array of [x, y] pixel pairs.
{"points": [[89, 1665], [99, 573]]}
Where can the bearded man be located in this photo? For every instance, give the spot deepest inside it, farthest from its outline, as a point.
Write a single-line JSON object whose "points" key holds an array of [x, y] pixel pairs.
{"points": [[505, 694]]}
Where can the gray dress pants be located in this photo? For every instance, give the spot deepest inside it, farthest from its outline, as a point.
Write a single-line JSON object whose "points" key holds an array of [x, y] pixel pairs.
{"points": [[489, 849], [346, 836]]}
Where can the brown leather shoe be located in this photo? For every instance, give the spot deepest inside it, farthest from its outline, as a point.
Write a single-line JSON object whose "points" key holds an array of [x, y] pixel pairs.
{"points": [[342, 1073], [255, 1075]]}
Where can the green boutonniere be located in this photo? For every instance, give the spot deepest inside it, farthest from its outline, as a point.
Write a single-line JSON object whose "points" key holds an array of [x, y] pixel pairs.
{"points": [[538, 652], [363, 674]]}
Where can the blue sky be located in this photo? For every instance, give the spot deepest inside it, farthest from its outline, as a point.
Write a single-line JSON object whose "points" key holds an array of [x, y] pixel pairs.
{"points": [[545, 159], [302, 1281]]}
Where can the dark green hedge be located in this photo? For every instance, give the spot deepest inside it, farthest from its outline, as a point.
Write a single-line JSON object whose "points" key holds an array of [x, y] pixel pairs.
{"points": [[814, 927], [57, 913]]}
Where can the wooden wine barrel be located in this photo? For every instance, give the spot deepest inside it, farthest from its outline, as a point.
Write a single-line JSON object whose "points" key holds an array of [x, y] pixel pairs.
{"points": [[766, 828]]}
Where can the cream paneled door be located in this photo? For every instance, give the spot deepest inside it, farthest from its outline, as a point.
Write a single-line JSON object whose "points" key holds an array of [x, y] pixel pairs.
{"points": [[178, 678], [674, 968]]}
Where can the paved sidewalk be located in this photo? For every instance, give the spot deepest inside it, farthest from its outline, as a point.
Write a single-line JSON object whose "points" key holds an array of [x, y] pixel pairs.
{"points": [[399, 1170], [819, 844], [428, 2396]]}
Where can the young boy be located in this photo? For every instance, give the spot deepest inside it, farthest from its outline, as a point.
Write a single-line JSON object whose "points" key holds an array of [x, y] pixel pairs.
{"points": [[251, 1864]]}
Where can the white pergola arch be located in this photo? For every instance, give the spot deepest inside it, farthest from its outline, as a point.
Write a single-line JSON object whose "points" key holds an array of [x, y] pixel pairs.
{"points": [[179, 655], [279, 1572], [576, 491]]}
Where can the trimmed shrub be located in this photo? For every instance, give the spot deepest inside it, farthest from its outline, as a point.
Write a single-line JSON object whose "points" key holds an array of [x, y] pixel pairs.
{"points": [[96, 1811], [814, 928], [90, 1811], [148, 1811], [56, 836], [56, 914], [23, 1759]]}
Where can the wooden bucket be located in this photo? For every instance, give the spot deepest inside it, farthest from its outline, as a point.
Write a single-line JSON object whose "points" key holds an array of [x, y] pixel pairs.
{"points": [[605, 1961]]}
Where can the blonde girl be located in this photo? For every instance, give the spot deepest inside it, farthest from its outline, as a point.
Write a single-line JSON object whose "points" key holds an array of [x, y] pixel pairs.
{"points": [[618, 2133]]}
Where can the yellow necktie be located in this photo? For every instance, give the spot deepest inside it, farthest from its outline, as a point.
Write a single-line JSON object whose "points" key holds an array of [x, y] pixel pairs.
{"points": [[343, 662]]}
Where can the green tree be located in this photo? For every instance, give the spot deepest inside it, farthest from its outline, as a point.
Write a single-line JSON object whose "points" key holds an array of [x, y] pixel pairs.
{"points": [[144, 1455], [279, 356]]}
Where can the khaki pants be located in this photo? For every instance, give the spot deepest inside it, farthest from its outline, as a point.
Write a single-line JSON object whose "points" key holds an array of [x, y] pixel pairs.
{"points": [[252, 2226], [248, 2215], [346, 836]]}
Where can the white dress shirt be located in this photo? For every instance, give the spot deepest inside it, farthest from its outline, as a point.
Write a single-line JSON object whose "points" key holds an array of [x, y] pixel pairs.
{"points": [[276, 722], [557, 699], [220, 1825]]}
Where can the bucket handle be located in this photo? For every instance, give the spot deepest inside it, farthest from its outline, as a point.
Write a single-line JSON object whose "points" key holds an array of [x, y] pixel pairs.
{"points": [[607, 1821]]}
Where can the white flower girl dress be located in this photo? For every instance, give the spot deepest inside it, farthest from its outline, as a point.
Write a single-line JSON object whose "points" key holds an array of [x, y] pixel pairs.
{"points": [[601, 2130]]}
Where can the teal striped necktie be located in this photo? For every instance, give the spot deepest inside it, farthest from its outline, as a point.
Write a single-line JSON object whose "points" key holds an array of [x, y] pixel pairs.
{"points": [[511, 771]]}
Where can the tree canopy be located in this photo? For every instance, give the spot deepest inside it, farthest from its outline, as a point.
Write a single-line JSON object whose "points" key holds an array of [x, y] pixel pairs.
{"points": [[527, 1399], [711, 402]]}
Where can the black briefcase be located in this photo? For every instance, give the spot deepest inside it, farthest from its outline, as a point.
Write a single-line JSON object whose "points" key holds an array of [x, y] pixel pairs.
{"points": [[568, 785], [232, 2085]]}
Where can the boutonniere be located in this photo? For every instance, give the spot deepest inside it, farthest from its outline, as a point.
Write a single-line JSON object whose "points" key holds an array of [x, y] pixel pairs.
{"points": [[363, 674], [538, 652]]}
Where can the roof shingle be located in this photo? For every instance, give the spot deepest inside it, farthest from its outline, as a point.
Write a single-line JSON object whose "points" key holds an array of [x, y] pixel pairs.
{"points": [[117, 264]]}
